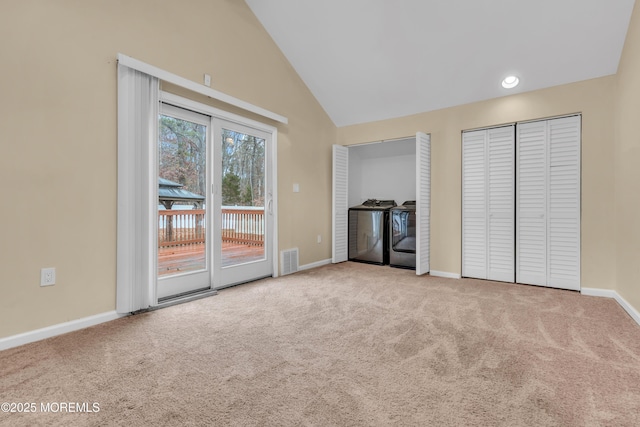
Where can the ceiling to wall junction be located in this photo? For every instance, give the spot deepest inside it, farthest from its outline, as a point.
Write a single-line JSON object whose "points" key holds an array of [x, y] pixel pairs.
{"points": [[368, 60]]}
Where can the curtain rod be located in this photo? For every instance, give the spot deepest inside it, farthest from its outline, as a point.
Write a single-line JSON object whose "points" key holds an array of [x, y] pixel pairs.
{"points": [[198, 88], [381, 141]]}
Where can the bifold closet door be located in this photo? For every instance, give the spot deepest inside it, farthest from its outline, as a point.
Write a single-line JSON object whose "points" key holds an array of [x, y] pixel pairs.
{"points": [[474, 204], [488, 204], [501, 204], [340, 186], [531, 189], [548, 203], [423, 202], [563, 228]]}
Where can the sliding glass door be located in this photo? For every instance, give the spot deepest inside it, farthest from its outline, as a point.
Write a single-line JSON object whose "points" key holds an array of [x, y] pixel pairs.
{"points": [[244, 206], [215, 222], [184, 246]]}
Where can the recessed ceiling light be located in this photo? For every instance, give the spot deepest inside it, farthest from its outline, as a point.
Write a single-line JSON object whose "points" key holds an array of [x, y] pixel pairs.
{"points": [[510, 82]]}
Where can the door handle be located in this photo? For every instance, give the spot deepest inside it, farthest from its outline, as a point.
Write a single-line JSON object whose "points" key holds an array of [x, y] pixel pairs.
{"points": [[270, 206]]}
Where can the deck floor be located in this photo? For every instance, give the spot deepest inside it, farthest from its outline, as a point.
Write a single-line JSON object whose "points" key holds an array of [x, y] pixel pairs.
{"points": [[182, 259]]}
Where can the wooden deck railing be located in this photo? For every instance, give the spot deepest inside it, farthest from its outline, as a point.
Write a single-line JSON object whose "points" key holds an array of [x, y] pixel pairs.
{"points": [[243, 225], [185, 227], [176, 227]]}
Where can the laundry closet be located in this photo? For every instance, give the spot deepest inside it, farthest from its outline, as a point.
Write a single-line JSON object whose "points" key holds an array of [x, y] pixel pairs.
{"points": [[382, 171], [374, 174]]}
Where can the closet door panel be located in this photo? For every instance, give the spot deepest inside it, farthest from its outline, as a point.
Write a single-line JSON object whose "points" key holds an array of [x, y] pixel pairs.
{"points": [[474, 205], [501, 204], [423, 202], [340, 186], [563, 231], [531, 211]]}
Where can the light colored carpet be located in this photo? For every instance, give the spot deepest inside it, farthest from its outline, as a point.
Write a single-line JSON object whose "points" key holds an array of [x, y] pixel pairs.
{"points": [[344, 345]]}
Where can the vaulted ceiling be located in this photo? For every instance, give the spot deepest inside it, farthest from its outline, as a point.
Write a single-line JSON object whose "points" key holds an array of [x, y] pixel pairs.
{"points": [[367, 60]]}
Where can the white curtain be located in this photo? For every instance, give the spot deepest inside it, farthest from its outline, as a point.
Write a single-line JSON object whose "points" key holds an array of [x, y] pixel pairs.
{"points": [[138, 95]]}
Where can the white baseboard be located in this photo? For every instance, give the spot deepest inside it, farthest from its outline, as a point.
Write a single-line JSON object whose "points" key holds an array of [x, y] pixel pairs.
{"points": [[595, 292], [444, 274], [607, 293], [314, 264], [74, 325], [59, 329]]}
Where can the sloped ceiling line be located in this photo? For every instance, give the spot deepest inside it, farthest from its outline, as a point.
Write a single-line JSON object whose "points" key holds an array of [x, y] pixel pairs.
{"points": [[368, 60]]}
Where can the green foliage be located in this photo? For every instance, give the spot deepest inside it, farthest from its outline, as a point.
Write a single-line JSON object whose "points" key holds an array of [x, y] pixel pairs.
{"points": [[243, 156], [247, 195], [231, 190]]}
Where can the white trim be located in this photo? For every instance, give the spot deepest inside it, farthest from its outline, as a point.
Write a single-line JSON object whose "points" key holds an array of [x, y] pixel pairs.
{"points": [[444, 274], [505, 125], [607, 293], [551, 118], [196, 87], [540, 119], [595, 292], [168, 286], [314, 264], [635, 315], [198, 107], [75, 325], [59, 329], [401, 138], [274, 203]]}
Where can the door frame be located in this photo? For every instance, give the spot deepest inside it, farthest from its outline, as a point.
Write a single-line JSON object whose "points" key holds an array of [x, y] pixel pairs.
{"points": [[215, 113], [175, 284], [340, 192], [239, 273]]}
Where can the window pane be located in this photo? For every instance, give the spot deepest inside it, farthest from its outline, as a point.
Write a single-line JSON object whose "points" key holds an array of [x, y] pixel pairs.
{"points": [[181, 190]]}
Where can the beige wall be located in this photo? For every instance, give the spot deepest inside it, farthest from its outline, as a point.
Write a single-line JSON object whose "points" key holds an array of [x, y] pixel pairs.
{"points": [[58, 121], [627, 163], [58, 163], [593, 98]]}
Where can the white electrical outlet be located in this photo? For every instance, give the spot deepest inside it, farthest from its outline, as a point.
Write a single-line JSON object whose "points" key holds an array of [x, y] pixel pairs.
{"points": [[207, 80], [47, 276]]}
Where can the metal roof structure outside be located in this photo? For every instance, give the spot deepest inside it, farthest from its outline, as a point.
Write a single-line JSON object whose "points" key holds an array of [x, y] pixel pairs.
{"points": [[170, 192]]}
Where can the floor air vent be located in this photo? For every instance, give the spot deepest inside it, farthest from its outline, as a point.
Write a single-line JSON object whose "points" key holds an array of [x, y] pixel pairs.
{"points": [[288, 261]]}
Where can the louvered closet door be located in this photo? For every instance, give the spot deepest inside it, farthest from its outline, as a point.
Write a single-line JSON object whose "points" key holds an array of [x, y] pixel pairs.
{"points": [[340, 202], [548, 211], [488, 204], [423, 202], [474, 204], [531, 187], [564, 204], [501, 204]]}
